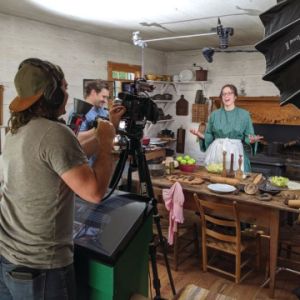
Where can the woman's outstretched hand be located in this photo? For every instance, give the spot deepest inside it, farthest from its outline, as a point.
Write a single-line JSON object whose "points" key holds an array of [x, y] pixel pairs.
{"points": [[197, 133], [255, 138]]}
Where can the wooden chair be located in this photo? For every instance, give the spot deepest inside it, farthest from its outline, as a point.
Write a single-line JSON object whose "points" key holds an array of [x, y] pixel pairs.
{"points": [[288, 258], [225, 235], [186, 239]]}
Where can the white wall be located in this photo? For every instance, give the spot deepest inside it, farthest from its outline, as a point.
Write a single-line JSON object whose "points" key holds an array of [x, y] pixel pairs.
{"points": [[81, 55], [225, 68]]}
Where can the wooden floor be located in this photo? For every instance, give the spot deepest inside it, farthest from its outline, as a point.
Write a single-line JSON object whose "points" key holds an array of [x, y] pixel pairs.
{"points": [[190, 273]]}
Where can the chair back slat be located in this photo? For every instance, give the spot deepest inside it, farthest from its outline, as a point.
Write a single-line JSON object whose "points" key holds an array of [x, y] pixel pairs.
{"points": [[220, 222], [220, 236], [221, 217]]}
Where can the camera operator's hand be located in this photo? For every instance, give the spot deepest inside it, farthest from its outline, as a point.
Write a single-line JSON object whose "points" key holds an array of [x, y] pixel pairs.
{"points": [[105, 134], [115, 114]]}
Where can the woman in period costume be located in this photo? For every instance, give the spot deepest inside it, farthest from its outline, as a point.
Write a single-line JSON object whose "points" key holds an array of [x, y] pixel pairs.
{"points": [[228, 129]]}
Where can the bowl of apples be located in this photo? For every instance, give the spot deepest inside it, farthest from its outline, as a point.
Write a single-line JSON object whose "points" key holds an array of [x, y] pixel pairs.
{"points": [[186, 163]]}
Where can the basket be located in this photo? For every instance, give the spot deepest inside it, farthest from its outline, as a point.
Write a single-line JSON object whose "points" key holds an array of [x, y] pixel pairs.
{"points": [[200, 113]]}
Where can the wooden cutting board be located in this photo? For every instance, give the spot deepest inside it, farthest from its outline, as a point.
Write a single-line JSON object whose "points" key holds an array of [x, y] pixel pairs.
{"points": [[186, 179]]}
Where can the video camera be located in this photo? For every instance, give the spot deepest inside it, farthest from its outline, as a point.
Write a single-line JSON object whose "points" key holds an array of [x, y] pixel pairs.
{"points": [[139, 106]]}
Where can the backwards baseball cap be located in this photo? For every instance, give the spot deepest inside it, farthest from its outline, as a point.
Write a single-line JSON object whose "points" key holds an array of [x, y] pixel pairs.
{"points": [[32, 80]]}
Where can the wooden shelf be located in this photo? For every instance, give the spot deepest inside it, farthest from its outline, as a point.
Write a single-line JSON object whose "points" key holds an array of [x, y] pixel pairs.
{"points": [[161, 121], [176, 84], [163, 101]]}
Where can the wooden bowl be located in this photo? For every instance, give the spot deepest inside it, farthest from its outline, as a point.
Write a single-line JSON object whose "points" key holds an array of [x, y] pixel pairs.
{"points": [[187, 168]]}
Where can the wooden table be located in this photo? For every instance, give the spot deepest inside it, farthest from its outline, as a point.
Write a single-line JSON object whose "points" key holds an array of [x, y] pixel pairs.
{"points": [[252, 210]]}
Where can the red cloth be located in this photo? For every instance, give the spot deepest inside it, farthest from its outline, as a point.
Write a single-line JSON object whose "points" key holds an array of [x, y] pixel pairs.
{"points": [[174, 200]]}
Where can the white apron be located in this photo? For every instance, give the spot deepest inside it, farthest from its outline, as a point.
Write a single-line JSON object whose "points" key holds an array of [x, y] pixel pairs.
{"points": [[214, 153]]}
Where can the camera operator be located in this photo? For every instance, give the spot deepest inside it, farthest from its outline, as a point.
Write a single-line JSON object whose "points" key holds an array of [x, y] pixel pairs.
{"points": [[43, 165]]}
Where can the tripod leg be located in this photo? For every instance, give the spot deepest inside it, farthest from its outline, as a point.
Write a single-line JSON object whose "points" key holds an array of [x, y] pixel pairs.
{"points": [[145, 182], [156, 281], [146, 189], [162, 242]]}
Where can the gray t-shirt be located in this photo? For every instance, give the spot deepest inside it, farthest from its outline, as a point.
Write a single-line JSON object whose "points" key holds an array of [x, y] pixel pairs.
{"points": [[37, 207]]}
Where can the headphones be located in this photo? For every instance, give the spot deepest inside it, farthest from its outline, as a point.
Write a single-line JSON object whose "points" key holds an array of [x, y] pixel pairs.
{"points": [[53, 94]]}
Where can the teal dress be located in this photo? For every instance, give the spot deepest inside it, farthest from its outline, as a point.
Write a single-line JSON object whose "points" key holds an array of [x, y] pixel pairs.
{"points": [[234, 124]]}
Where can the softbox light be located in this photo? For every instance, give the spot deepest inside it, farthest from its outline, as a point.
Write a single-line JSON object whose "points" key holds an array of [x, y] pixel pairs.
{"points": [[281, 47]]}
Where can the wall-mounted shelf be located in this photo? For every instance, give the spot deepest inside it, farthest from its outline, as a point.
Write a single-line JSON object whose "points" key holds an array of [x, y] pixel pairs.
{"points": [[176, 84], [159, 124], [163, 85], [161, 121], [164, 102]]}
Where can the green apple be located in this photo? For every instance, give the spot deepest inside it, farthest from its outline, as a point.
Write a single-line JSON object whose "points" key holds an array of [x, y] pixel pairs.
{"points": [[183, 162], [186, 157], [194, 160], [190, 162], [179, 158]]}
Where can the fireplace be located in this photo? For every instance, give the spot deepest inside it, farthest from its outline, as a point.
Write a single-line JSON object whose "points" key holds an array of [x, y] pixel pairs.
{"points": [[285, 162]]}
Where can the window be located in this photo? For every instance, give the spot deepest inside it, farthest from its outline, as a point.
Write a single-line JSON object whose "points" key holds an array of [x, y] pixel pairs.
{"points": [[119, 73]]}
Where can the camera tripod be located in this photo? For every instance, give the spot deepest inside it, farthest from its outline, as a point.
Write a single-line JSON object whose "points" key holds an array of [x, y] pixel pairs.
{"points": [[135, 150]]}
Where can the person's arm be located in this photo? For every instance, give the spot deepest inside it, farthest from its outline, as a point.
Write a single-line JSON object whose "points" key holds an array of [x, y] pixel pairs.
{"points": [[90, 144], [89, 183], [197, 133], [115, 114], [249, 130], [84, 136], [249, 137]]}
